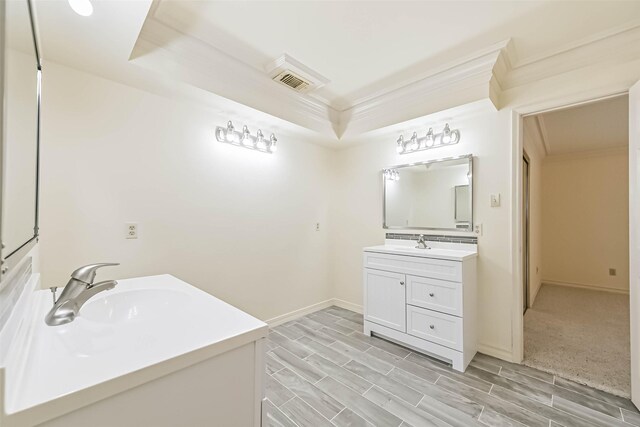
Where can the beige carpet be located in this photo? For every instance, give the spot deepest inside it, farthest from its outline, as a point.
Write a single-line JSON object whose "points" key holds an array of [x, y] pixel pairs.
{"points": [[581, 335]]}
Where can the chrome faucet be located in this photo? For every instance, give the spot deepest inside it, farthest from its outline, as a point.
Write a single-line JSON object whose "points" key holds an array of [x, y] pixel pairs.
{"points": [[77, 291], [422, 244]]}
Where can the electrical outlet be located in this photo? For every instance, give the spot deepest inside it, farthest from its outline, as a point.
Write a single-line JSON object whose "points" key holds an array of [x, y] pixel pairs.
{"points": [[317, 226], [495, 200], [477, 228], [612, 272], [131, 230]]}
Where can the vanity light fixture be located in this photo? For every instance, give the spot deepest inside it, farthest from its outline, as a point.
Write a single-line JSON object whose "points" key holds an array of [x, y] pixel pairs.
{"points": [[244, 139], [391, 174], [430, 140]]}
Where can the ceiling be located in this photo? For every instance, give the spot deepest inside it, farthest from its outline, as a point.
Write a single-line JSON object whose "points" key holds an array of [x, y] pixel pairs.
{"points": [[595, 126], [364, 48], [100, 43]]}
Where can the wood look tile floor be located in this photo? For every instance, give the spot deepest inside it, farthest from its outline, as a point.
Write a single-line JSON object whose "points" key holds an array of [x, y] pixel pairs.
{"points": [[322, 371]]}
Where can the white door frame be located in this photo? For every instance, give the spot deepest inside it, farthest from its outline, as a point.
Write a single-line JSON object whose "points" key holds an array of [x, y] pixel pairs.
{"points": [[517, 151], [634, 237]]}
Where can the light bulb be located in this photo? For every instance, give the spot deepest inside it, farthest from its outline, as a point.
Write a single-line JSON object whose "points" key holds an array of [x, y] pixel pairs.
{"points": [[273, 141], [81, 7], [414, 141], [400, 146], [260, 143], [246, 138], [446, 135], [220, 134], [430, 140], [455, 136], [396, 175], [229, 133]]}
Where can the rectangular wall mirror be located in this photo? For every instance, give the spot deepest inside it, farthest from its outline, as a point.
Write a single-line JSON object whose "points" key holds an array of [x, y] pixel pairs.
{"points": [[19, 138], [433, 195]]}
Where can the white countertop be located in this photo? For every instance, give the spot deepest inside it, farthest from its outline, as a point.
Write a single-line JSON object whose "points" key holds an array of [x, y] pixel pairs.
{"points": [[142, 322], [438, 250]]}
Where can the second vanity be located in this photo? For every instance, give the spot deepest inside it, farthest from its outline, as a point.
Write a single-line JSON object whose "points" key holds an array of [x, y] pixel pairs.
{"points": [[152, 351], [423, 298]]}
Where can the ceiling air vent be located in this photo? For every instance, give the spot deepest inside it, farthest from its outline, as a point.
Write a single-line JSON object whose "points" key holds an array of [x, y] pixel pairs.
{"points": [[293, 74], [295, 82]]}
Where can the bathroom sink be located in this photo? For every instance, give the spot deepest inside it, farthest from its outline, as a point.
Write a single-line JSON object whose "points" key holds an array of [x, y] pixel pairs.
{"points": [[133, 305], [408, 248], [431, 252], [145, 326]]}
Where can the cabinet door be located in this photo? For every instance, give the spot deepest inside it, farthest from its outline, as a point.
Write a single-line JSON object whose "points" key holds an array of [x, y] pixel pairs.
{"points": [[384, 299]]}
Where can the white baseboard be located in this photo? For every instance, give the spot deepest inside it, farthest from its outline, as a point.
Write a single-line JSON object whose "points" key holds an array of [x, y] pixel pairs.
{"points": [[498, 353], [347, 305], [284, 318], [585, 286]]}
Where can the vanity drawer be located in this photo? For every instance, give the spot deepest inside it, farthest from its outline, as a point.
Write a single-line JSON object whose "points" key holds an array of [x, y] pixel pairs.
{"points": [[434, 294], [436, 327], [417, 266]]}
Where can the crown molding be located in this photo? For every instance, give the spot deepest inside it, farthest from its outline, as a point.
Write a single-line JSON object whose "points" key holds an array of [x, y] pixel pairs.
{"points": [[587, 154], [463, 82], [619, 44], [191, 60], [169, 45]]}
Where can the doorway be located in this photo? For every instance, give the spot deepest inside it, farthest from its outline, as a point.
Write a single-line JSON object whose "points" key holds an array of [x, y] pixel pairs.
{"points": [[575, 244]]}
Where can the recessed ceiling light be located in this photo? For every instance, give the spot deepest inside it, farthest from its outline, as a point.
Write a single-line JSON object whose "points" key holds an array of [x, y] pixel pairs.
{"points": [[81, 7]]}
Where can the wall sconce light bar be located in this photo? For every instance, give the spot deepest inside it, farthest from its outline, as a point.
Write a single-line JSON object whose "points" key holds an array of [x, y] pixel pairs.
{"points": [[244, 139], [429, 141]]}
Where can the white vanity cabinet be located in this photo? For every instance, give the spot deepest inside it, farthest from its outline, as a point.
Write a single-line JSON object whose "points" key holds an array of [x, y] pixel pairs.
{"points": [[423, 298]]}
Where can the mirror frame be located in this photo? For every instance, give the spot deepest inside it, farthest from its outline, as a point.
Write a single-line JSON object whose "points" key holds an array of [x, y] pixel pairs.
{"points": [[12, 259], [469, 228]]}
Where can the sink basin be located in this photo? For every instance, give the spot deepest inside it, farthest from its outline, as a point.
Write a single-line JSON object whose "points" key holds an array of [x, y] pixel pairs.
{"points": [[431, 252], [133, 305], [146, 327], [408, 248]]}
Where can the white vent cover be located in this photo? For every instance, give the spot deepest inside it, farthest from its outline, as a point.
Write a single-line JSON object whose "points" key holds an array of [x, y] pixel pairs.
{"points": [[291, 73], [294, 81]]}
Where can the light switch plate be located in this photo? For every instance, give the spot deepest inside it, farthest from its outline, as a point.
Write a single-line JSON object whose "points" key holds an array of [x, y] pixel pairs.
{"points": [[495, 200]]}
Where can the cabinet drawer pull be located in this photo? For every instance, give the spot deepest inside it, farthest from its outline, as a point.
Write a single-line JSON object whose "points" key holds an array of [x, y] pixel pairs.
{"points": [[432, 326], [431, 294], [402, 283]]}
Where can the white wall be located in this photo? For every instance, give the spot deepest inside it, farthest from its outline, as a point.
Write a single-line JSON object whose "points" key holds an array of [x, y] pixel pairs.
{"points": [[534, 148], [236, 223], [355, 214], [358, 216], [586, 219]]}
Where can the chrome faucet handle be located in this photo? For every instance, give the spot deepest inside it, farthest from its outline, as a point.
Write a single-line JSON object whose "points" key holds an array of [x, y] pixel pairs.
{"points": [[422, 244], [87, 274]]}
